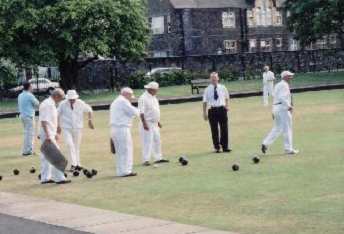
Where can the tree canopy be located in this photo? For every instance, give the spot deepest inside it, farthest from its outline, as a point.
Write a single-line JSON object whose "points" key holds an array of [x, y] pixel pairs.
{"points": [[313, 19], [71, 33]]}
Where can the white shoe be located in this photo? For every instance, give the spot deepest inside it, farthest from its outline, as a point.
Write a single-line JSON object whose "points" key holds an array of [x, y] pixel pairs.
{"points": [[292, 152]]}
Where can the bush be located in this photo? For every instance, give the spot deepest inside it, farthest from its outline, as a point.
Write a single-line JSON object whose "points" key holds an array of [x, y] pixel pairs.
{"points": [[7, 74]]}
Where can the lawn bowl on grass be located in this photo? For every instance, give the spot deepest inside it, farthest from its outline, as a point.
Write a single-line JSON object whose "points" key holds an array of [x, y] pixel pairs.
{"points": [[282, 195]]}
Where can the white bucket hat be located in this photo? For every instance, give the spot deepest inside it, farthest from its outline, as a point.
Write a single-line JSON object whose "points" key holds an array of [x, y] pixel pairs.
{"points": [[286, 73], [152, 85], [72, 94]]}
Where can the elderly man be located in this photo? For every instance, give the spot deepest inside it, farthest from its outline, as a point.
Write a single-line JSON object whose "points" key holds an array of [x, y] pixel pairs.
{"points": [[150, 124], [27, 104], [216, 101], [122, 112], [48, 132], [282, 112], [268, 85], [71, 119]]}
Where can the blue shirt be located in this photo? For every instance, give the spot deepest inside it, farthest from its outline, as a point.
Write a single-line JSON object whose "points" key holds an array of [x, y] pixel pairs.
{"points": [[26, 104]]}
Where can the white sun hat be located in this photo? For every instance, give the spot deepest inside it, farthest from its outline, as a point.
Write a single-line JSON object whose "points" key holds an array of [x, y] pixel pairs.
{"points": [[72, 94], [286, 73], [152, 85]]}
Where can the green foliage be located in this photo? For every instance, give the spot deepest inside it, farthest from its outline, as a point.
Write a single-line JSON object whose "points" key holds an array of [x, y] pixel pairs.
{"points": [[313, 19], [60, 32], [7, 74]]}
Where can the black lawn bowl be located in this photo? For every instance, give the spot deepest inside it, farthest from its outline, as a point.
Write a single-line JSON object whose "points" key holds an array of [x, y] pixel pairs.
{"points": [[89, 174], [84, 171], [32, 170], [256, 160], [183, 161], [235, 167], [76, 173], [65, 174], [0, 178], [94, 172], [16, 172]]}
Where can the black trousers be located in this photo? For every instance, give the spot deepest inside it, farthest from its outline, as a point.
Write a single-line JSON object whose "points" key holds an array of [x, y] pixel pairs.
{"points": [[218, 120]]}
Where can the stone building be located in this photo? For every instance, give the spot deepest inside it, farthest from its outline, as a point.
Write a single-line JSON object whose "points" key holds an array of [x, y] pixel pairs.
{"points": [[208, 27]]}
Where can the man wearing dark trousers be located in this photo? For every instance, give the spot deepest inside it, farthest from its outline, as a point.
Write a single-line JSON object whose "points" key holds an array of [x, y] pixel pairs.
{"points": [[215, 109]]}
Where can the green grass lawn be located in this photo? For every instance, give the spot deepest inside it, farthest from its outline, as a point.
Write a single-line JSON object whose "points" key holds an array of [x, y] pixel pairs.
{"points": [[284, 195], [303, 79]]}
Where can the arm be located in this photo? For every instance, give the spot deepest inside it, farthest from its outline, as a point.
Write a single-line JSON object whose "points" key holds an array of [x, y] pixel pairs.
{"points": [[144, 123], [88, 109], [285, 98], [141, 106], [34, 101], [45, 129], [205, 107], [227, 99]]}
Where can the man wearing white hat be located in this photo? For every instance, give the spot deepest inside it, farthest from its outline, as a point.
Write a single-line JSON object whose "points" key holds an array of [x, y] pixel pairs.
{"points": [[268, 85], [122, 112], [150, 124], [71, 118], [282, 112]]}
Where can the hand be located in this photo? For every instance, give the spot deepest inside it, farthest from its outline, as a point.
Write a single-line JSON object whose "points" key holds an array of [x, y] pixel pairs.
{"points": [[227, 108], [290, 109], [59, 130], [205, 116], [159, 125], [48, 140], [57, 137], [90, 124], [145, 126]]}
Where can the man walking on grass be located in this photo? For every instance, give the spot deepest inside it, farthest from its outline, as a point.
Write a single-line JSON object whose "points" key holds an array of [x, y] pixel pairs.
{"points": [[122, 113], [48, 132], [282, 111], [71, 122], [215, 109], [268, 85], [26, 105], [150, 125]]}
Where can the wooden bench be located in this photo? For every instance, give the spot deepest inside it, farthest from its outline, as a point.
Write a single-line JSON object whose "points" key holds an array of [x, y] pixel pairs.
{"points": [[199, 84]]}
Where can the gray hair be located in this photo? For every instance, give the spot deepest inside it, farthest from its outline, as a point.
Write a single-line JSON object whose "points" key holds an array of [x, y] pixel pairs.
{"points": [[58, 93]]}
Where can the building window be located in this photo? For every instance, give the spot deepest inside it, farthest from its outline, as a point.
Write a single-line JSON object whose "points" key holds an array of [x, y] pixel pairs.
{"points": [[252, 45], [293, 44], [278, 43], [159, 54], [321, 43], [278, 18], [265, 45], [268, 16], [158, 25], [250, 18], [228, 19], [333, 39], [230, 46], [169, 24]]}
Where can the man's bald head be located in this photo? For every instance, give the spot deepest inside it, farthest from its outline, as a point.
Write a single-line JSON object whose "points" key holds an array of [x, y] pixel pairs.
{"points": [[128, 93], [57, 95]]}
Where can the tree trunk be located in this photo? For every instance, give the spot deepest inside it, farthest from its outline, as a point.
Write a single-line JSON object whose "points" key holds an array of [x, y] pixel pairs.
{"points": [[69, 71]]}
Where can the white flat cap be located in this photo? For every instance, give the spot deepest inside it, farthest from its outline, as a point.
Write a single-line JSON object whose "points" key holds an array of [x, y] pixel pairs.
{"points": [[152, 85], [286, 73], [72, 94]]}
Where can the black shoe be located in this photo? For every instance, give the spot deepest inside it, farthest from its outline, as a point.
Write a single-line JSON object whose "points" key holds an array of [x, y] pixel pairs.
{"points": [[131, 174], [79, 168], [27, 154], [48, 182], [162, 161], [217, 151], [227, 150], [146, 164], [264, 148], [64, 182]]}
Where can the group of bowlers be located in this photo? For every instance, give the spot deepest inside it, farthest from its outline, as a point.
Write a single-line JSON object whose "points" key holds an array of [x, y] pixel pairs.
{"points": [[62, 114]]}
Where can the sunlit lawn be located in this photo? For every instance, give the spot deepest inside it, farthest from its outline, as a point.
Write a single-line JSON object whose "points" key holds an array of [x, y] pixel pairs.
{"points": [[281, 195]]}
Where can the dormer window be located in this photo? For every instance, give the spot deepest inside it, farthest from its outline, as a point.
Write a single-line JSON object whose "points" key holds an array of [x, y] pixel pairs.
{"points": [[228, 19]]}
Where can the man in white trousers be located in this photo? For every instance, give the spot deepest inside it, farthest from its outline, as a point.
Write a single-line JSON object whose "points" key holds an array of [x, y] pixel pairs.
{"points": [[122, 113], [48, 132], [26, 105], [71, 122], [150, 125], [268, 85], [282, 111]]}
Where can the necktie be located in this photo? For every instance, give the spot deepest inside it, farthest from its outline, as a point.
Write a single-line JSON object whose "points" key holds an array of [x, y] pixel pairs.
{"points": [[216, 95]]}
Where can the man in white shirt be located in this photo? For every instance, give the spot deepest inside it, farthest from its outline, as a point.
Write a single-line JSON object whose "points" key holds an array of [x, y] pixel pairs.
{"points": [[150, 124], [48, 132], [71, 118], [282, 112], [122, 112], [268, 85], [216, 102]]}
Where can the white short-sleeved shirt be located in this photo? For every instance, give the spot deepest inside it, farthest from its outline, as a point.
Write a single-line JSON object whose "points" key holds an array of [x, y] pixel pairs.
{"points": [[149, 106], [208, 96], [268, 76], [73, 118], [48, 113], [122, 112], [282, 96]]}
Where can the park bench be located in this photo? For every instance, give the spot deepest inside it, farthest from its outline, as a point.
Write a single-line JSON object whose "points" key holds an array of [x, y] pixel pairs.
{"points": [[199, 84]]}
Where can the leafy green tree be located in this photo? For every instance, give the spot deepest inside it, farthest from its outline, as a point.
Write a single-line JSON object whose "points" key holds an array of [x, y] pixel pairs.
{"points": [[313, 19], [71, 33]]}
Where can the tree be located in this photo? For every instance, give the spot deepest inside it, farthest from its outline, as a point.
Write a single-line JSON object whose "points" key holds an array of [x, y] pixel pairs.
{"points": [[71, 33], [313, 19]]}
